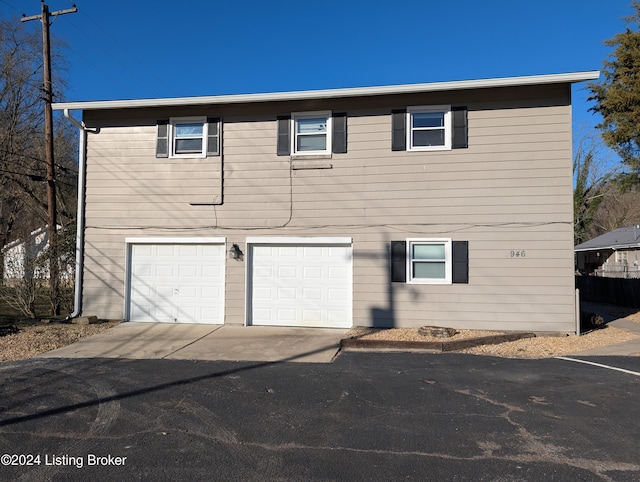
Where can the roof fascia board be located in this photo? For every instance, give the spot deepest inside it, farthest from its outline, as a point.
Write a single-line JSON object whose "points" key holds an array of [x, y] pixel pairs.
{"points": [[614, 247], [333, 93]]}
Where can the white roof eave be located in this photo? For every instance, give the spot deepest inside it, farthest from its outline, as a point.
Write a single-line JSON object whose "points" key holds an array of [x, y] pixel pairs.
{"points": [[613, 247], [332, 93]]}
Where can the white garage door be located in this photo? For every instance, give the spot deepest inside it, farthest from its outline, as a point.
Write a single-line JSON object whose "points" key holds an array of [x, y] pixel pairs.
{"points": [[301, 285], [177, 283]]}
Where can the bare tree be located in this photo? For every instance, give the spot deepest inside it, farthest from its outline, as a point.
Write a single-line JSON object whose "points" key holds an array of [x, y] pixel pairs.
{"points": [[593, 175], [23, 199], [20, 121]]}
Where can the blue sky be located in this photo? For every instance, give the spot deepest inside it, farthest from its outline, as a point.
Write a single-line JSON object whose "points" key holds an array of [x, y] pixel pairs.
{"points": [[124, 49]]}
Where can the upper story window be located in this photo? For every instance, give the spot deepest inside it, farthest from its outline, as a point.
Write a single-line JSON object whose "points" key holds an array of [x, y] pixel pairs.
{"points": [[187, 136], [311, 133], [429, 128], [193, 137]]}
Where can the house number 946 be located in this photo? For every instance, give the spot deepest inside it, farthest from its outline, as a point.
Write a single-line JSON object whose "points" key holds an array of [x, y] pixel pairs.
{"points": [[518, 254]]}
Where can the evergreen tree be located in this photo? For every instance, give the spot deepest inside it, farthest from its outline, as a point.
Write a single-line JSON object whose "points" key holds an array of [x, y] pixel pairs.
{"points": [[617, 95]]}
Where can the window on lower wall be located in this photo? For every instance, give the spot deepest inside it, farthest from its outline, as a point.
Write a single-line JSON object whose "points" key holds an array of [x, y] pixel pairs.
{"points": [[429, 261]]}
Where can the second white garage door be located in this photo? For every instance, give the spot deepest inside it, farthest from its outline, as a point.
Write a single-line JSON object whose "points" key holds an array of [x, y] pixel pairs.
{"points": [[307, 285], [176, 282]]}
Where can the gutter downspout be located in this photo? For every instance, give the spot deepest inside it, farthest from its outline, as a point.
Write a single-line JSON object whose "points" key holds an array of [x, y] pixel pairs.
{"points": [[82, 160]]}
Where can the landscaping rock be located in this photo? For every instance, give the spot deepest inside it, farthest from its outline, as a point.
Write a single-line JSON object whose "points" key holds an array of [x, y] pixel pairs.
{"points": [[437, 331], [85, 320]]}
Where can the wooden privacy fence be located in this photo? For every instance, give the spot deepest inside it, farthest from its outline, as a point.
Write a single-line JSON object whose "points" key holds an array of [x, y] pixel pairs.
{"points": [[623, 292]]}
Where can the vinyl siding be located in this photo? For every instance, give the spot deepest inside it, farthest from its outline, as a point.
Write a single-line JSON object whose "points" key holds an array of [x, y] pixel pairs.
{"points": [[510, 190]]}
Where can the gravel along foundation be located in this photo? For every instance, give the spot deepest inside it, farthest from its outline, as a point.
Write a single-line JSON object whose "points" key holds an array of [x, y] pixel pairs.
{"points": [[36, 338], [525, 347]]}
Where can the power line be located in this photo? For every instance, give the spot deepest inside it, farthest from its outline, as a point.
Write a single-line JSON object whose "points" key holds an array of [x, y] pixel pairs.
{"points": [[10, 6], [24, 156], [109, 51], [127, 50]]}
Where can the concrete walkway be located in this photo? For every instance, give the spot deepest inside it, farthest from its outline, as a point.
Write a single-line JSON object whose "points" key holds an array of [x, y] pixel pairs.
{"points": [[626, 348], [207, 342], [614, 316]]}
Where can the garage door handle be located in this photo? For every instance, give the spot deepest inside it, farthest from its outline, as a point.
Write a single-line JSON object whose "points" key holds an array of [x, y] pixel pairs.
{"points": [[176, 291]]}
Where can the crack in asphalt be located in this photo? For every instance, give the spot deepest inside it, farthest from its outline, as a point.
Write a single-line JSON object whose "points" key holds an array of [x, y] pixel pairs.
{"points": [[536, 450]]}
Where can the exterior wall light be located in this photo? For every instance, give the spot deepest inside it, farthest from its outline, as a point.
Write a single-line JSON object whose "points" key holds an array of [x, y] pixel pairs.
{"points": [[236, 253]]}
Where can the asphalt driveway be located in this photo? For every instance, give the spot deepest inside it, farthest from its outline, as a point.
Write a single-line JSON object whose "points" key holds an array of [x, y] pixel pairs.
{"points": [[366, 416]]}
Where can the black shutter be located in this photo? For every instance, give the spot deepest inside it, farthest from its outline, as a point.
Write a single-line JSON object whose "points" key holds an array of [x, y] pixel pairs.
{"points": [[398, 130], [339, 133], [284, 131], [460, 255], [162, 139], [398, 261], [213, 137], [460, 128]]}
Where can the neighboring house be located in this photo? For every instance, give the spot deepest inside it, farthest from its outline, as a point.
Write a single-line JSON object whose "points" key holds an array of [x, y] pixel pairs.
{"points": [[20, 257], [615, 254], [444, 204]]}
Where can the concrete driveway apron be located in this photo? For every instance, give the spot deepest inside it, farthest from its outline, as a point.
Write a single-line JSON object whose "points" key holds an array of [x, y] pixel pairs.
{"points": [[207, 342]]}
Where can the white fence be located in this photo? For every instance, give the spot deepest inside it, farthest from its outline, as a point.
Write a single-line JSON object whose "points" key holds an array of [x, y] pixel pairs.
{"points": [[618, 270]]}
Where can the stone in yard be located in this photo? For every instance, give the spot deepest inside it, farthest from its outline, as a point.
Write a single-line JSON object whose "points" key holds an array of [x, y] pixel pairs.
{"points": [[85, 320], [437, 331]]}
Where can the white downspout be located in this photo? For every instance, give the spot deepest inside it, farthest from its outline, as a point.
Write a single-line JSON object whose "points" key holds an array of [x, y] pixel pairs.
{"points": [[82, 158]]}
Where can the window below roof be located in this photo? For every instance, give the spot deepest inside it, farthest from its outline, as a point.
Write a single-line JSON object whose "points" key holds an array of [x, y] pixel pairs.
{"points": [[311, 133], [429, 128], [188, 136]]}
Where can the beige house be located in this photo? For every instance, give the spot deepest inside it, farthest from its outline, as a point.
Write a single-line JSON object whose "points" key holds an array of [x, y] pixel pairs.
{"points": [[443, 204], [615, 254]]}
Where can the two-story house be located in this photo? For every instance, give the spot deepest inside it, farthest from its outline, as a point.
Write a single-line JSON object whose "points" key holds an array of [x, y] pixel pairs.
{"points": [[443, 204]]}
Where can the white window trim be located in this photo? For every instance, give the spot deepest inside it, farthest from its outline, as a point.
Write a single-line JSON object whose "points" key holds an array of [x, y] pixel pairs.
{"points": [[447, 258], [622, 256], [448, 127], [302, 115], [172, 141]]}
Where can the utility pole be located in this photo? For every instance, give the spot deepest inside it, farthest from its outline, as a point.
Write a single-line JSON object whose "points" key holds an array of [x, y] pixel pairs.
{"points": [[54, 268]]}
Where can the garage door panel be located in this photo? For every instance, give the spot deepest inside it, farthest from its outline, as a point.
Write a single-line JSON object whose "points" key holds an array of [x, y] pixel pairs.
{"points": [[286, 252], [312, 316], [336, 294], [311, 294], [311, 252], [142, 271], [177, 283], [312, 272], [164, 250], [301, 285], [209, 271], [188, 270], [286, 316]]}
